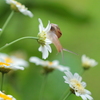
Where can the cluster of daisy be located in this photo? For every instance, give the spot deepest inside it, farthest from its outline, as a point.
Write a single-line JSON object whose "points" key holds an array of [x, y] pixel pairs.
{"points": [[45, 37], [75, 81], [76, 85]]}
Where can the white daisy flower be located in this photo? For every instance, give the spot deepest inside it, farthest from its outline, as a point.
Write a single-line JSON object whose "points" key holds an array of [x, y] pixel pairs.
{"points": [[48, 65], [6, 97], [19, 7], [87, 62], [8, 63], [77, 86], [43, 39]]}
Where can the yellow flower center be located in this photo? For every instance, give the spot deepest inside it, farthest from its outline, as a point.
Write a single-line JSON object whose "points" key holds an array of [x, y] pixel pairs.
{"points": [[8, 60], [2, 64], [50, 63], [14, 6], [5, 97], [86, 65], [17, 3], [41, 38], [77, 86]]}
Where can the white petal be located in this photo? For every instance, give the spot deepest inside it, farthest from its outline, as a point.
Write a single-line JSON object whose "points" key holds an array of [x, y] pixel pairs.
{"points": [[69, 75], [2, 60], [40, 48], [62, 68], [55, 62], [79, 78], [83, 84], [66, 79], [8, 1], [41, 28], [89, 97], [44, 51], [3, 55], [48, 48], [77, 94], [83, 97], [93, 62], [0, 29], [87, 92], [83, 57], [19, 61], [47, 29], [26, 12], [47, 41], [35, 60], [17, 67]]}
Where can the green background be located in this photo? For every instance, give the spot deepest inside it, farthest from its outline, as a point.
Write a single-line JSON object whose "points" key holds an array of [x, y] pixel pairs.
{"points": [[79, 21]]}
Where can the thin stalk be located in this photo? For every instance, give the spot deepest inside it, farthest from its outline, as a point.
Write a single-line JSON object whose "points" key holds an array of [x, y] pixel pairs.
{"points": [[65, 92], [43, 87], [2, 79], [8, 44], [66, 97], [5, 24], [82, 71]]}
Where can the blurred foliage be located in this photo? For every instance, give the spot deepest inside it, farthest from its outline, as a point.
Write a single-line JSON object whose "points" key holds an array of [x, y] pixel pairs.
{"points": [[79, 22]]}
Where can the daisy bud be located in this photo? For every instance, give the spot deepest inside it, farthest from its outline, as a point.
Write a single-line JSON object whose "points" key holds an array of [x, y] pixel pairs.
{"points": [[87, 62]]}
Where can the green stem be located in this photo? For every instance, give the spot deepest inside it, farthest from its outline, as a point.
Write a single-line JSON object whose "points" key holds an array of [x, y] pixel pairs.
{"points": [[66, 97], [5, 24], [8, 44], [63, 95], [2, 79], [42, 87], [82, 71]]}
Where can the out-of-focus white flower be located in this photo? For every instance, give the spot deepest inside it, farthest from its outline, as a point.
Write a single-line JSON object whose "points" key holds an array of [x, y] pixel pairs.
{"points": [[48, 65], [87, 62], [6, 97], [19, 7], [43, 39], [8, 63], [77, 86], [0, 29]]}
